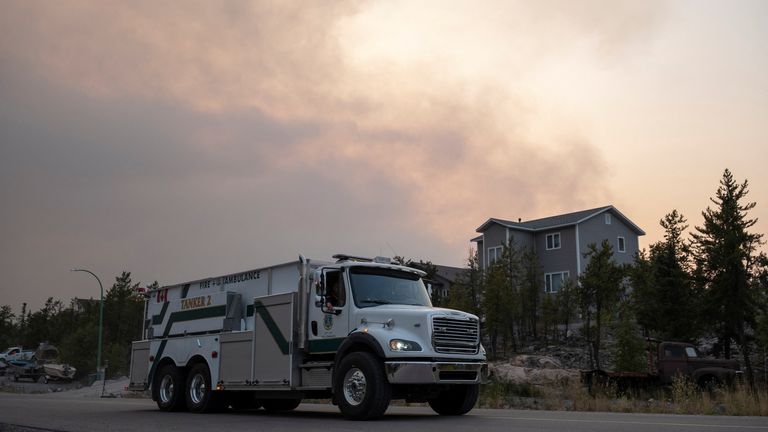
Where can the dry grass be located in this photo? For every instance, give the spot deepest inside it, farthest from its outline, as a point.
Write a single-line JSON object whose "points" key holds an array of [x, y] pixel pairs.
{"points": [[683, 397]]}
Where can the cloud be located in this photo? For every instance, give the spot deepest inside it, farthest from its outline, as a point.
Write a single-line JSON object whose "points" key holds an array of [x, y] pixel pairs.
{"points": [[162, 136]]}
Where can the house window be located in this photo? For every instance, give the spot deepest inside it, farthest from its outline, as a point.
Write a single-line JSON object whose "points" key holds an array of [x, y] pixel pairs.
{"points": [[607, 218], [554, 281], [621, 244], [494, 253], [553, 241]]}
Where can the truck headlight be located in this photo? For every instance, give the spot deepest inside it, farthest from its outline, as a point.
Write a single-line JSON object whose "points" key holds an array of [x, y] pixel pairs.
{"points": [[403, 345]]}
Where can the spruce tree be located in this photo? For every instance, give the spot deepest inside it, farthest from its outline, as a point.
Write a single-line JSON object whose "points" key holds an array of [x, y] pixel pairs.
{"points": [[726, 257], [664, 293]]}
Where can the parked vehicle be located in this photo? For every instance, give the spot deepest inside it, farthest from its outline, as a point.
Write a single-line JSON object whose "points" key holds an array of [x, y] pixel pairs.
{"points": [[358, 331], [26, 369], [16, 353], [48, 358], [39, 366], [665, 361]]}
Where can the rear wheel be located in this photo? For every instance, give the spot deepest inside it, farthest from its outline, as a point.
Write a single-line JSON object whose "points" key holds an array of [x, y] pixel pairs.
{"points": [[168, 389], [200, 395], [456, 400], [361, 388], [276, 405]]}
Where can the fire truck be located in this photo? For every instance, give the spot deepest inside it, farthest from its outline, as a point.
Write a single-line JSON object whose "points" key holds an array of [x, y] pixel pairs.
{"points": [[358, 331]]}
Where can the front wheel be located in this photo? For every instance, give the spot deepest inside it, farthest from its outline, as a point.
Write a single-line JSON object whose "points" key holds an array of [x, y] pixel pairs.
{"points": [[361, 388], [456, 400]]}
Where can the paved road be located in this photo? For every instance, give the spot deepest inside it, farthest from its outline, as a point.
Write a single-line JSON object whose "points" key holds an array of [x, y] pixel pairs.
{"points": [[59, 412]]}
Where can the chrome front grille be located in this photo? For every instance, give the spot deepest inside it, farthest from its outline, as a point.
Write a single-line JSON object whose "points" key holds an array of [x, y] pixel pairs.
{"points": [[455, 336]]}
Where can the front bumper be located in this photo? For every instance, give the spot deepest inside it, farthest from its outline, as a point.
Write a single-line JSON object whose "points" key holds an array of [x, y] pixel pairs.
{"points": [[405, 372]]}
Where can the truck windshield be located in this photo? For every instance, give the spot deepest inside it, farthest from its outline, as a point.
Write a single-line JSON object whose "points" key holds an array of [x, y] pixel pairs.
{"points": [[373, 286]]}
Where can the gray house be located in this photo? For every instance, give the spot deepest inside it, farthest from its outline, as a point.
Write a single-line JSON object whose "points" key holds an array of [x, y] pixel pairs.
{"points": [[561, 241], [444, 278]]}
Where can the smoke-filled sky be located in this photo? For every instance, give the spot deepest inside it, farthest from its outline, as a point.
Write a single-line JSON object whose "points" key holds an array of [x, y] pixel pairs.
{"points": [[180, 140]]}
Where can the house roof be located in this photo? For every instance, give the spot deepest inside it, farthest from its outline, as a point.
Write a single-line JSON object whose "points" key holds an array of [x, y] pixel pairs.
{"points": [[450, 273], [559, 221]]}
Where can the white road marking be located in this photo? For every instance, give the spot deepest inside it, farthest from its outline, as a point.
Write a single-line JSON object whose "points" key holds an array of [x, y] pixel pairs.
{"points": [[649, 423]]}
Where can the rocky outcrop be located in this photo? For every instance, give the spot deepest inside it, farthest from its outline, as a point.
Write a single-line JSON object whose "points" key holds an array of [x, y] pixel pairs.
{"points": [[532, 369]]}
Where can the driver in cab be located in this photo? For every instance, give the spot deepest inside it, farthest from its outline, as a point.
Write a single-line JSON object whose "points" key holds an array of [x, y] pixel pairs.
{"points": [[336, 294]]}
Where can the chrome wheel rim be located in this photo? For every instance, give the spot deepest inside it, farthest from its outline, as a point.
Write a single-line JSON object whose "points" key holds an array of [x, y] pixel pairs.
{"points": [[197, 389], [354, 386], [166, 389]]}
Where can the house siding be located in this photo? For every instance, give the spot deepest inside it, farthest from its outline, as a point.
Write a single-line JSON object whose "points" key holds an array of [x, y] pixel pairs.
{"points": [[557, 260], [522, 239], [495, 235], [595, 230], [481, 253]]}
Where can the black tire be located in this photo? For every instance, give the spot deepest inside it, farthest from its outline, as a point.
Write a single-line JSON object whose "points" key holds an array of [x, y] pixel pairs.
{"points": [[168, 389], [200, 396], [709, 383], [277, 405], [360, 387], [243, 400], [456, 400]]}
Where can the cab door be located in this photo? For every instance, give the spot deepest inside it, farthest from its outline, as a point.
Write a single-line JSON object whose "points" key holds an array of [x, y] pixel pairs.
{"points": [[329, 313], [672, 362]]}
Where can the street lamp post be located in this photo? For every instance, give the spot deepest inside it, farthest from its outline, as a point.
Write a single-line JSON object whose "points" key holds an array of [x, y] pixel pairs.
{"points": [[101, 316]]}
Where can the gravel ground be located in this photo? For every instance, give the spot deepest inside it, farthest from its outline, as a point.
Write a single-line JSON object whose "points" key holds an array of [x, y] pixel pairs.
{"points": [[110, 388]]}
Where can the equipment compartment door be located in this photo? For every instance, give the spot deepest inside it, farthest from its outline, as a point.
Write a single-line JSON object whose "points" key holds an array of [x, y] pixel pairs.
{"points": [[236, 351], [139, 364], [274, 329]]}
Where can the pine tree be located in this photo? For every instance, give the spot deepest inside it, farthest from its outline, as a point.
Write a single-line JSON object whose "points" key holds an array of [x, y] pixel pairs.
{"points": [[7, 326], [123, 321], [629, 344], [494, 311], [664, 293], [567, 304], [600, 289], [460, 295], [549, 316], [725, 259], [531, 289]]}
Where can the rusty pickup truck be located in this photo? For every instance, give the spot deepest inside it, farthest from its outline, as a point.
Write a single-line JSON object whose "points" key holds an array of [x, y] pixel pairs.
{"points": [[665, 361]]}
